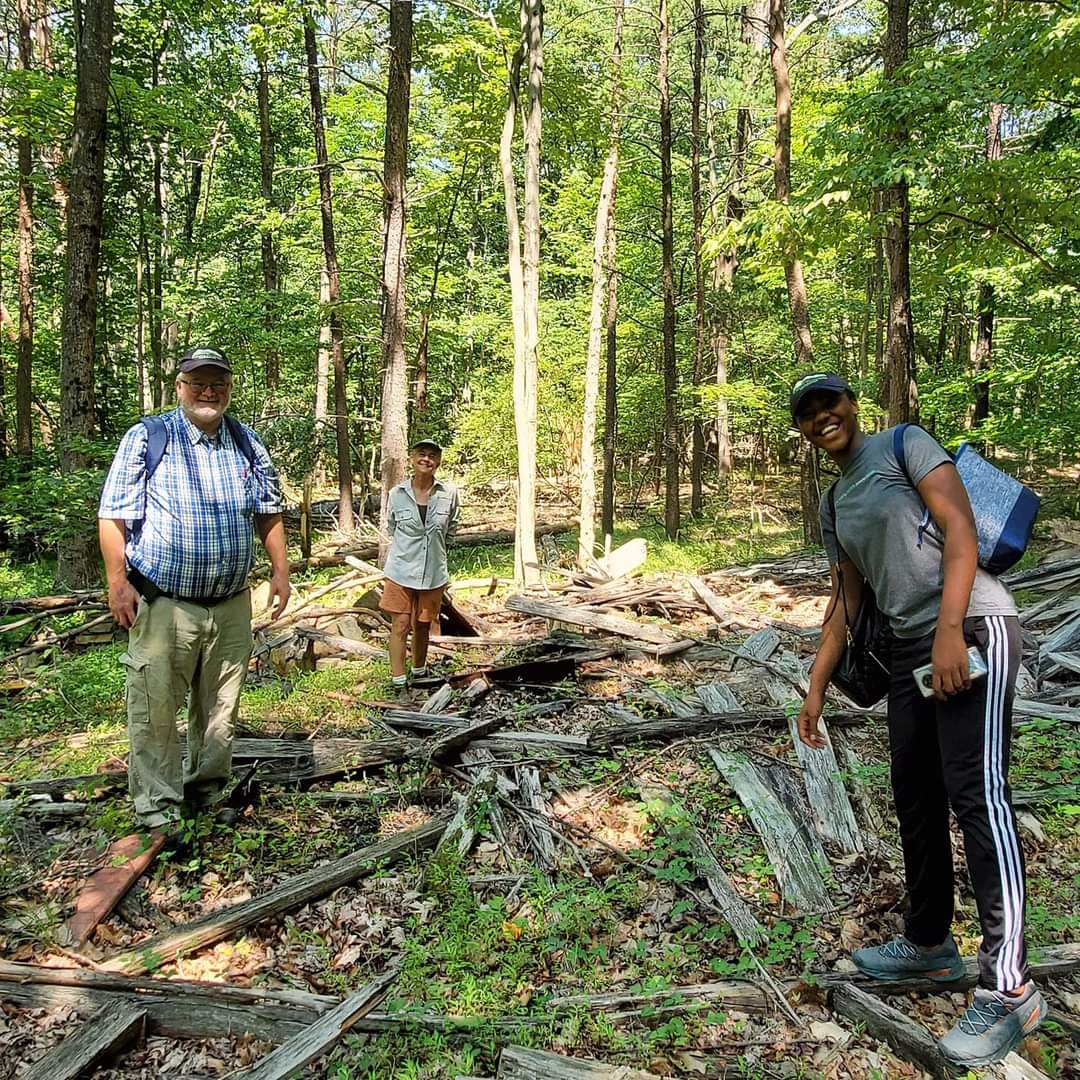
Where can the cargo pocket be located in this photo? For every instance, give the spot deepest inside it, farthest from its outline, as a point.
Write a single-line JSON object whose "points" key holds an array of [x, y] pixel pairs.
{"points": [[136, 691]]}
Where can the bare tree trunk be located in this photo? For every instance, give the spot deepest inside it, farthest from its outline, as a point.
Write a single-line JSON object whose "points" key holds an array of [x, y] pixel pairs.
{"points": [[984, 334], [667, 274], [395, 386], [77, 563], [24, 439], [326, 208], [525, 377], [269, 255], [607, 511], [600, 300], [895, 205], [793, 273], [322, 359], [697, 450], [141, 374], [157, 343], [754, 35], [420, 392]]}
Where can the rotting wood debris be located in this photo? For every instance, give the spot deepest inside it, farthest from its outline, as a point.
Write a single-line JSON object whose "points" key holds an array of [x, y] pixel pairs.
{"points": [[494, 760]]}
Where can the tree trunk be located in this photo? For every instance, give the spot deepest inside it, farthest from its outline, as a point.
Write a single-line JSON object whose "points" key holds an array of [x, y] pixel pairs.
{"points": [[269, 255], [984, 333], [667, 273], [793, 273], [337, 346], [525, 378], [157, 343], [607, 511], [322, 362], [25, 270], [395, 386], [77, 564], [895, 205], [697, 450], [600, 301]]}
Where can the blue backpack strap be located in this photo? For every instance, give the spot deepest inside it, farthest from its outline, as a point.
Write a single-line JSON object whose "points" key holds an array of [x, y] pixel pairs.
{"points": [[157, 439], [898, 447], [240, 437]]}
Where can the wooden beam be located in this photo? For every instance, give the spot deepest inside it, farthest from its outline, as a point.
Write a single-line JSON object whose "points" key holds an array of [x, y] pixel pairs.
{"points": [[518, 1063], [313, 1042], [106, 1032], [292, 893], [126, 860], [596, 620], [793, 860], [910, 1040]]}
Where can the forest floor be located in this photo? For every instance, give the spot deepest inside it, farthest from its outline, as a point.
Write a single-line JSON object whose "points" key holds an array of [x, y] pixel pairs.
{"points": [[490, 939]]}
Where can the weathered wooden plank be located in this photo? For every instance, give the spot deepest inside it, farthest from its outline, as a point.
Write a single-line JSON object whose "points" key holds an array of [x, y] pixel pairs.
{"points": [[760, 645], [438, 700], [314, 883], [313, 1042], [106, 1032], [517, 1063], [713, 604], [624, 560], [126, 860], [911, 1041], [455, 739], [528, 781], [834, 818], [1014, 1067], [44, 810], [340, 644], [577, 616], [797, 869], [677, 823], [718, 697]]}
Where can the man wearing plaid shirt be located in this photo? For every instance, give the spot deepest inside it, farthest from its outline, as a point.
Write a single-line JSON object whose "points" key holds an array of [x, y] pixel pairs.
{"points": [[178, 548]]}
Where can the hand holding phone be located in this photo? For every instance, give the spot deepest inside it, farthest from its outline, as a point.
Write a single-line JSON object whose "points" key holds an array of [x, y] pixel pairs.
{"points": [[924, 676]]}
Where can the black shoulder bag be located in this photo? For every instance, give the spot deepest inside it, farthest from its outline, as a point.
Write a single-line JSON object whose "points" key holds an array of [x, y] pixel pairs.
{"points": [[862, 673]]}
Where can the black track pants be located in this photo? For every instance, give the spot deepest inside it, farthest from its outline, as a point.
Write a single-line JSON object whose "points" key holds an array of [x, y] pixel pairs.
{"points": [[957, 753]]}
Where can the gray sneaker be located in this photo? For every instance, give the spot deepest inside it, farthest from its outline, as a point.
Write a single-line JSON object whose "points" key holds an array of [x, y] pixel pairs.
{"points": [[993, 1025], [903, 959]]}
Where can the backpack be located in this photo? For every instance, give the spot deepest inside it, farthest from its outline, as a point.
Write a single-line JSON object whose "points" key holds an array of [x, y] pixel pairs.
{"points": [[1004, 509], [157, 439]]}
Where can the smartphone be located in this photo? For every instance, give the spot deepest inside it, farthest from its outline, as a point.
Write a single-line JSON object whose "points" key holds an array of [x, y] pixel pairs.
{"points": [[924, 676]]}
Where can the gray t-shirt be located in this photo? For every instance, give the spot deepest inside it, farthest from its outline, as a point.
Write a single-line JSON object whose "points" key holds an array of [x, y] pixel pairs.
{"points": [[878, 515]]}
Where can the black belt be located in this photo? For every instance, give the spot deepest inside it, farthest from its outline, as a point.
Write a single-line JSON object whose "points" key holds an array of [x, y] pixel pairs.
{"points": [[150, 592]]}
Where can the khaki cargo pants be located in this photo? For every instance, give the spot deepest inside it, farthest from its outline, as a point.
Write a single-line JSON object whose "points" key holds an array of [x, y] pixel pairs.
{"points": [[181, 651]]}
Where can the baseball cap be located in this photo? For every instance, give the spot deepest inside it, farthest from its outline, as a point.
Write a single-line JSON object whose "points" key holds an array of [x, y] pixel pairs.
{"points": [[814, 383], [431, 444], [203, 356]]}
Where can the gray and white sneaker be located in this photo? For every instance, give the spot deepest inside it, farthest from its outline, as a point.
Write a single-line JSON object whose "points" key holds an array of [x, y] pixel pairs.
{"points": [[903, 959], [993, 1025]]}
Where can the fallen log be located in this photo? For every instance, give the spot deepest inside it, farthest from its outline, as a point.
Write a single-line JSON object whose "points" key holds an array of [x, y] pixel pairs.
{"points": [[517, 1063], [292, 893], [339, 643], [106, 1032], [206, 1010], [910, 1040], [44, 811], [547, 669], [660, 729], [576, 616], [313, 1042], [796, 865]]}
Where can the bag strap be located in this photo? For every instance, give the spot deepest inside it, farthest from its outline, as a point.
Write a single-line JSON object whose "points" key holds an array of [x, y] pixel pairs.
{"points": [[157, 439], [839, 572], [240, 437]]}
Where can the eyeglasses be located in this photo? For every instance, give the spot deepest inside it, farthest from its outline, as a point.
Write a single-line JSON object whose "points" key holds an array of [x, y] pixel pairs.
{"points": [[200, 388]]}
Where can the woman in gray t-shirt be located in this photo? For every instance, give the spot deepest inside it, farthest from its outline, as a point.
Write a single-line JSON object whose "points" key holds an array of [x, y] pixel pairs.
{"points": [[948, 749]]}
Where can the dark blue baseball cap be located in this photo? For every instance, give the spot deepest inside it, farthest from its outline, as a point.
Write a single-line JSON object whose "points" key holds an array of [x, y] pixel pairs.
{"points": [[817, 382]]}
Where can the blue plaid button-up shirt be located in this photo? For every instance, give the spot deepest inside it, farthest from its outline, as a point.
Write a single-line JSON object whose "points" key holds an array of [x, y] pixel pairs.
{"points": [[190, 528]]}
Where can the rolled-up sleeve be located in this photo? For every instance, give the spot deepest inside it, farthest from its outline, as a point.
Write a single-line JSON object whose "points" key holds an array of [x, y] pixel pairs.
{"points": [[124, 496], [454, 519], [268, 496]]}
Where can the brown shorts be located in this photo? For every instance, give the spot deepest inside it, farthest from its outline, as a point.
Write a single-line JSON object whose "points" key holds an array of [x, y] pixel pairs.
{"points": [[423, 604]]}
